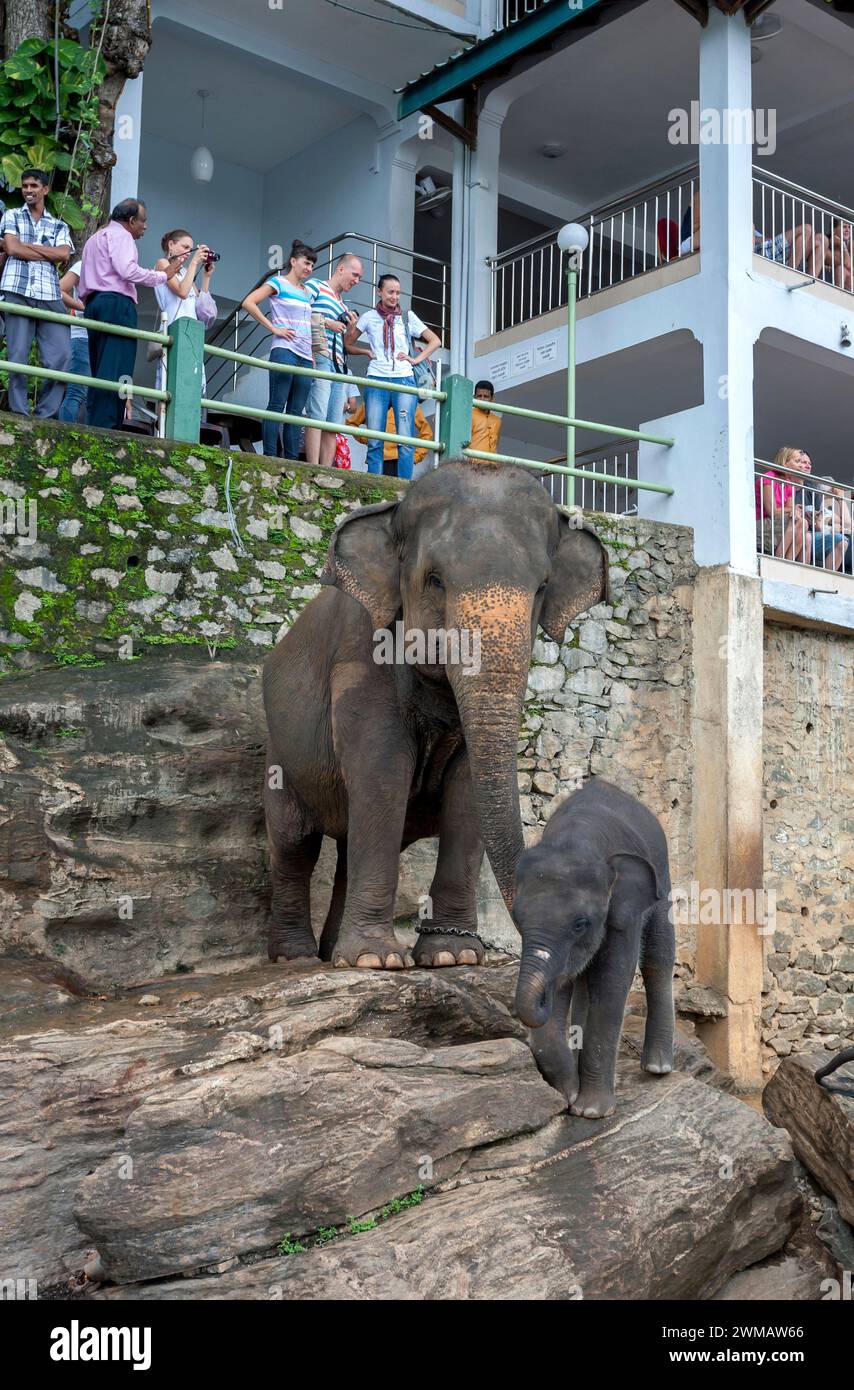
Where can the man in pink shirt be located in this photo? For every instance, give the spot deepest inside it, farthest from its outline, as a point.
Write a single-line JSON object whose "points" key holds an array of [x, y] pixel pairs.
{"points": [[109, 274]]}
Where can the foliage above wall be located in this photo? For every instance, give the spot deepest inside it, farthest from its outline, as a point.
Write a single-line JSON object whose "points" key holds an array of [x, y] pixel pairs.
{"points": [[47, 127]]}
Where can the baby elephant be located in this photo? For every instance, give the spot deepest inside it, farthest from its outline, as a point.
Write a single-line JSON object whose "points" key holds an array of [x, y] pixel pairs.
{"points": [[592, 898]]}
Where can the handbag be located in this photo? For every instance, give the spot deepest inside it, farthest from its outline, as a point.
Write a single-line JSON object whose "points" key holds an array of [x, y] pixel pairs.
{"points": [[422, 371]]}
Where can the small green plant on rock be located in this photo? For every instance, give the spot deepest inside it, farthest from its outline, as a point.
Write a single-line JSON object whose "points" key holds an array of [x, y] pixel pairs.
{"points": [[291, 1247]]}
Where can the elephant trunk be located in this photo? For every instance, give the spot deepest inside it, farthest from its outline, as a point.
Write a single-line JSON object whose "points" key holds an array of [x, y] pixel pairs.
{"points": [[535, 989], [490, 719]]}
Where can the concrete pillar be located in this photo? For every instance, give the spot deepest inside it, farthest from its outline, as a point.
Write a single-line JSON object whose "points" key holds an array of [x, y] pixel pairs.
{"points": [[124, 181], [726, 250], [483, 224], [728, 786]]}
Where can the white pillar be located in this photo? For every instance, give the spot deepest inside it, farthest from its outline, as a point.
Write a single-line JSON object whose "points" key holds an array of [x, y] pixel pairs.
{"points": [[483, 224], [726, 251], [127, 140]]}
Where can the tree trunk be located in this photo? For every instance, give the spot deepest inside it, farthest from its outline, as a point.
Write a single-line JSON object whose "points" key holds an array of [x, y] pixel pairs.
{"points": [[126, 44], [25, 19]]}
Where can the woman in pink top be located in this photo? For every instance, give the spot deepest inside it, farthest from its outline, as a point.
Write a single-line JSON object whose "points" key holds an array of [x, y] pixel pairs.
{"points": [[782, 527]]}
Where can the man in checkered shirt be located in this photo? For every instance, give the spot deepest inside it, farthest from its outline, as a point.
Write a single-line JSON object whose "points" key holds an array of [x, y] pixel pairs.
{"points": [[36, 243]]}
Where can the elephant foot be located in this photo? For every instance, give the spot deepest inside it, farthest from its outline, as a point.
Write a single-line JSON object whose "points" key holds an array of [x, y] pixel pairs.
{"points": [[370, 952], [593, 1103], [291, 943], [438, 948], [657, 1060]]}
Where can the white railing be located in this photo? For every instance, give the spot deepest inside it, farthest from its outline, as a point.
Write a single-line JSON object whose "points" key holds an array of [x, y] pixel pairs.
{"points": [[628, 238], [512, 10], [802, 518], [802, 230], [616, 459]]}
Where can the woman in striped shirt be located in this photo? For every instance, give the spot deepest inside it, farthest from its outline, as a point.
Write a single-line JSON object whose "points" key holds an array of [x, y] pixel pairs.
{"points": [[290, 325]]}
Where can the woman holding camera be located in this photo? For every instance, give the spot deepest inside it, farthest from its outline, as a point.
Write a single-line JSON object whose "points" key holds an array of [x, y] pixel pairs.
{"points": [[179, 298]]}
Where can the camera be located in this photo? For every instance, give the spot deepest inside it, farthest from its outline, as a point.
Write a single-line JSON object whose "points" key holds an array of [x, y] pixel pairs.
{"points": [[214, 256]]}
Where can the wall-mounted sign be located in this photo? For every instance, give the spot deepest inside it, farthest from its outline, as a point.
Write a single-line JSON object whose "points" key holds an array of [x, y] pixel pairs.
{"points": [[546, 352], [499, 371], [523, 361]]}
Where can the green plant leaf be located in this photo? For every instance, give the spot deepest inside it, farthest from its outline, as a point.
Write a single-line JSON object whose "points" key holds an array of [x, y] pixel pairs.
{"points": [[62, 160], [65, 207], [20, 69], [30, 47], [12, 166]]}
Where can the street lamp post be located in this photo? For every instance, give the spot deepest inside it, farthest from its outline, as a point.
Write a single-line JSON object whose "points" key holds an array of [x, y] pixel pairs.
{"points": [[572, 239]]}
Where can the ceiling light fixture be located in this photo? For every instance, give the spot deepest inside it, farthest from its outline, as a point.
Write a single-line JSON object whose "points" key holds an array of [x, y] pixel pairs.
{"points": [[553, 150], [202, 161]]}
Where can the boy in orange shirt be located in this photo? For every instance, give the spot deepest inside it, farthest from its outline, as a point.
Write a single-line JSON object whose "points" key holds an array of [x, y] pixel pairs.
{"points": [[485, 424]]}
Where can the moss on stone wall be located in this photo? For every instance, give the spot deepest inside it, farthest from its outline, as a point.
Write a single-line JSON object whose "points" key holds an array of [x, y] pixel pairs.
{"points": [[132, 545]]}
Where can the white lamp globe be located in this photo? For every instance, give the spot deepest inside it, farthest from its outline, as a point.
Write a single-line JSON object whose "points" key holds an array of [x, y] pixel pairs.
{"points": [[202, 165], [573, 238]]}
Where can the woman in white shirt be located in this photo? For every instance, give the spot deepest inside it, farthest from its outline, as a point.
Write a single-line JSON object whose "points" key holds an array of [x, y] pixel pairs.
{"points": [[390, 334], [179, 298]]}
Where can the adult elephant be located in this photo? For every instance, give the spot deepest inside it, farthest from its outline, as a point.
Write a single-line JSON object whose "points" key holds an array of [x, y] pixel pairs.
{"points": [[378, 753]]}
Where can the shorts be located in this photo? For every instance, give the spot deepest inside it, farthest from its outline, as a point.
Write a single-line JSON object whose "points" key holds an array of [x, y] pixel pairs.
{"points": [[326, 399], [774, 249], [686, 245], [825, 541], [765, 536]]}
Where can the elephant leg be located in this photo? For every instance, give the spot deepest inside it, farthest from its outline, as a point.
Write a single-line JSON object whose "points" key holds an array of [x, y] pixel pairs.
{"points": [[658, 955], [378, 763], [609, 979], [556, 1058], [294, 850], [332, 925], [453, 892]]}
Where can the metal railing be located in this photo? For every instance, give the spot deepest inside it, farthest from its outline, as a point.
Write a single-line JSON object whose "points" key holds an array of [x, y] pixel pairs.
{"points": [[424, 281], [617, 499], [185, 403], [123, 388], [628, 238], [802, 230], [802, 518], [513, 10]]}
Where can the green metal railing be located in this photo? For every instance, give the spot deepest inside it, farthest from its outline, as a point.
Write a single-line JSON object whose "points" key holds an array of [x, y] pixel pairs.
{"points": [[186, 351]]}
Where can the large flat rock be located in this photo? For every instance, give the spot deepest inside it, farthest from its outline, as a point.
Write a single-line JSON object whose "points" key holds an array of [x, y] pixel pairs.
{"points": [[72, 1078], [820, 1119], [642, 1205]]}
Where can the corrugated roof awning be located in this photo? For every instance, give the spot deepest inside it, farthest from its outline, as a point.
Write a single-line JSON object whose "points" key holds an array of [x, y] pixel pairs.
{"points": [[555, 23], [458, 74]]}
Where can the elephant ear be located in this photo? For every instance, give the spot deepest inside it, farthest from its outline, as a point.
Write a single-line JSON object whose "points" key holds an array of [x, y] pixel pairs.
{"points": [[613, 861], [363, 561], [579, 577]]}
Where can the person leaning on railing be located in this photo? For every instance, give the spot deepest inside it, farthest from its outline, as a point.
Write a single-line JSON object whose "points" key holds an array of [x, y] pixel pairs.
{"points": [[330, 320], [109, 274], [781, 523], [36, 243], [837, 258], [290, 325], [390, 334]]}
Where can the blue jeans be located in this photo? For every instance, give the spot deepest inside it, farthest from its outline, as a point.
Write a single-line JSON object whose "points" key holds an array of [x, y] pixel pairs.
{"points": [[288, 394], [377, 402], [75, 396]]}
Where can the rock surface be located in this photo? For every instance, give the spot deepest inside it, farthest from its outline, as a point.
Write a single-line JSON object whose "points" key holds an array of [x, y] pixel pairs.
{"points": [[194, 1134], [820, 1121], [575, 1211], [132, 840]]}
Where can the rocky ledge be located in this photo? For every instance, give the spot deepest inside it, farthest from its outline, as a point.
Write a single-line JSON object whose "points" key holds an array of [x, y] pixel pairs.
{"points": [[303, 1133]]}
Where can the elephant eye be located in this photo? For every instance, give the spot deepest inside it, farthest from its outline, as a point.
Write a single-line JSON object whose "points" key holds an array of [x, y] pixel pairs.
{"points": [[581, 924], [542, 588], [434, 582]]}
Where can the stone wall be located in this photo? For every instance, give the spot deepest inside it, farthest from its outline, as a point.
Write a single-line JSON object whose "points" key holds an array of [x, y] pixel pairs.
{"points": [[809, 840], [135, 553]]}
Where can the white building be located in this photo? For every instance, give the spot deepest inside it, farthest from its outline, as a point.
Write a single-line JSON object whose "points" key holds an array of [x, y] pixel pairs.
{"points": [[449, 139]]}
